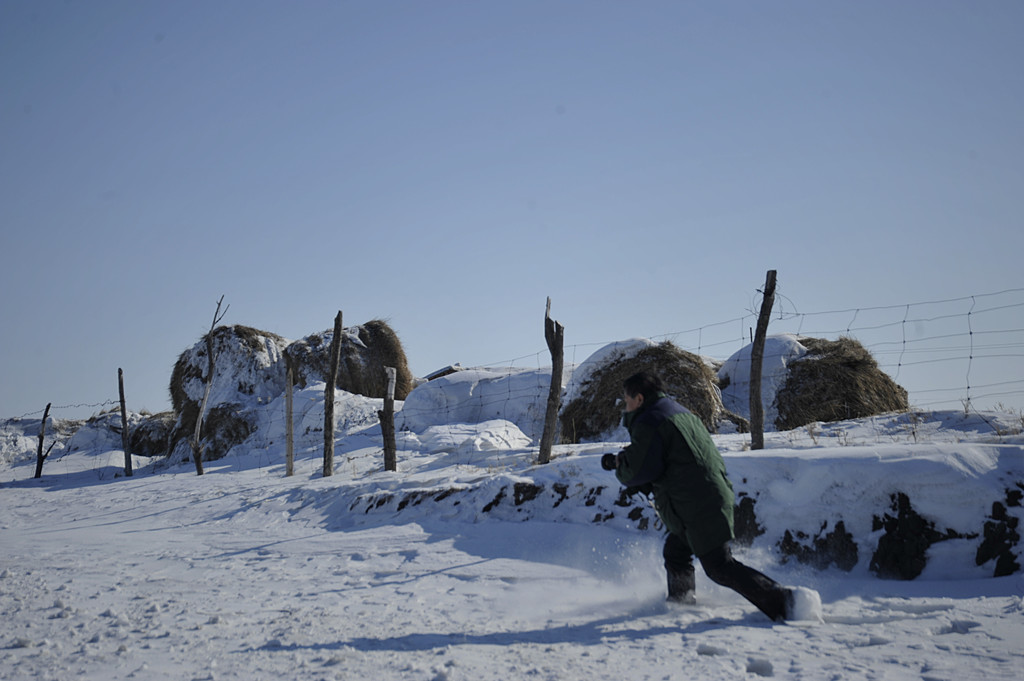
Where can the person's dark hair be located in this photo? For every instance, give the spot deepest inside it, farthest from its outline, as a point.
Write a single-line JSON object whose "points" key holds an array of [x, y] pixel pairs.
{"points": [[647, 384]]}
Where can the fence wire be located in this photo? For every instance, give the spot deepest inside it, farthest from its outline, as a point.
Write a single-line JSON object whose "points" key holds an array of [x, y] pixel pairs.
{"points": [[958, 353]]}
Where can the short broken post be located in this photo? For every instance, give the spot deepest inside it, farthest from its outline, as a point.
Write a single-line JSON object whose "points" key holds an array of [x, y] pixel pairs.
{"points": [[554, 334]]}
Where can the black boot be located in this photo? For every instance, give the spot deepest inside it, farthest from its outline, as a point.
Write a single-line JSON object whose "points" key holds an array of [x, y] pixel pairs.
{"points": [[682, 587], [679, 565]]}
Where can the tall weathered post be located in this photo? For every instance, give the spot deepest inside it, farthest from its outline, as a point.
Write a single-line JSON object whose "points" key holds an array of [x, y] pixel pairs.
{"points": [[40, 456], [757, 361], [289, 425], [329, 399], [125, 439]]}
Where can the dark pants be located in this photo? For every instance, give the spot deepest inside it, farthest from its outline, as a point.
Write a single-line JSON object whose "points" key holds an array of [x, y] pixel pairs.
{"points": [[768, 595]]}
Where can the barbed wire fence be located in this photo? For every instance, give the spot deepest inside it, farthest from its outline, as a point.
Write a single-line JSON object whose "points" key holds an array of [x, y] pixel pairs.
{"points": [[81, 405], [956, 353], [966, 351], [948, 354]]}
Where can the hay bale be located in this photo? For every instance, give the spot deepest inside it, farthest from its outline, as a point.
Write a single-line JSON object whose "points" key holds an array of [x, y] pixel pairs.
{"points": [[224, 426], [365, 351], [595, 410], [246, 364], [248, 367], [780, 351], [835, 381], [150, 436]]}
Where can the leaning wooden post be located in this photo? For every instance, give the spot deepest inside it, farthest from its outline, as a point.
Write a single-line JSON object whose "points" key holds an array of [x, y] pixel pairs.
{"points": [[329, 399], [197, 446], [289, 426], [387, 423], [40, 457], [757, 361], [196, 442], [554, 335], [125, 440]]}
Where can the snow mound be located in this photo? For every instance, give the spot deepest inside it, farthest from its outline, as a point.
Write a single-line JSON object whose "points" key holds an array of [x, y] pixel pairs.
{"points": [[804, 605], [779, 352], [496, 434], [478, 396]]}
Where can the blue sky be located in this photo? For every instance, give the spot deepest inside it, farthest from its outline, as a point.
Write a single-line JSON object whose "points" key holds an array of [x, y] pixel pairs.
{"points": [[448, 165]]}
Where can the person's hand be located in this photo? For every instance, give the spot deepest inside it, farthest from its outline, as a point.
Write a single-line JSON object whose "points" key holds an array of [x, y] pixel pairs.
{"points": [[642, 489], [609, 462]]}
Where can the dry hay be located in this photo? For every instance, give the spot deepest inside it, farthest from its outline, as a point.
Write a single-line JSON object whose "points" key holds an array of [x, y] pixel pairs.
{"points": [[227, 341], [150, 437], [224, 426], [237, 354], [835, 381], [365, 351], [687, 378], [252, 363]]}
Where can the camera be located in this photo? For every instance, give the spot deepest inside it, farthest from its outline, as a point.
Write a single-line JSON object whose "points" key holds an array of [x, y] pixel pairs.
{"points": [[609, 462]]}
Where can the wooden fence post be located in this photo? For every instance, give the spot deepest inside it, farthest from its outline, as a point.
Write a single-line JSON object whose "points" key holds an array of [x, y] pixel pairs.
{"points": [[125, 439], [289, 426], [387, 423], [196, 442], [757, 361], [554, 336], [329, 399], [40, 457]]}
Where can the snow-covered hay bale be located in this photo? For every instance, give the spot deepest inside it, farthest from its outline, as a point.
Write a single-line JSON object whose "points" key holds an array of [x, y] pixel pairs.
{"points": [[225, 426], [100, 431], [365, 352], [780, 351], [835, 381], [246, 364], [248, 368], [593, 409], [151, 436]]}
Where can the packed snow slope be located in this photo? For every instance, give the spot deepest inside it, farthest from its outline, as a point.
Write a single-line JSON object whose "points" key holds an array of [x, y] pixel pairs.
{"points": [[473, 562]]}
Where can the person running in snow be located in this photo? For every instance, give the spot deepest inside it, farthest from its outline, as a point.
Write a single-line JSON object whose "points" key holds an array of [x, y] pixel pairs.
{"points": [[672, 455]]}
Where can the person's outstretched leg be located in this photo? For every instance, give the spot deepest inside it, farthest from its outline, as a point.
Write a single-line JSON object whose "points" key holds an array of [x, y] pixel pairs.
{"points": [[682, 580], [768, 595]]}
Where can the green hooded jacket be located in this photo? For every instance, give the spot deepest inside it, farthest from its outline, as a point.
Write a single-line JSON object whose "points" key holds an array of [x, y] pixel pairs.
{"points": [[671, 450]]}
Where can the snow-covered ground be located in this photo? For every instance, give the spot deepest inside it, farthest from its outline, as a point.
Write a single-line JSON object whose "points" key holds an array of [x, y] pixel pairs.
{"points": [[244, 573], [473, 562]]}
